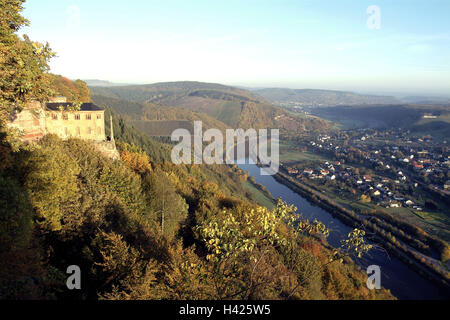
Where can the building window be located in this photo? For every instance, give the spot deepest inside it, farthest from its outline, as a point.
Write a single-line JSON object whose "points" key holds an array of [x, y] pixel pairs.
{"points": [[99, 117], [99, 130], [89, 130], [65, 117], [55, 116], [77, 117], [88, 117], [78, 131], [66, 131]]}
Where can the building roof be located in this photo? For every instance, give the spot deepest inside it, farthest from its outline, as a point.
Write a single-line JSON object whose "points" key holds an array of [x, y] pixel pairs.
{"points": [[56, 106]]}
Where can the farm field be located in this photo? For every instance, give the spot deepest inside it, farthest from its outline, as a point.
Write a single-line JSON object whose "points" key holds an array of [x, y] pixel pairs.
{"points": [[289, 153]]}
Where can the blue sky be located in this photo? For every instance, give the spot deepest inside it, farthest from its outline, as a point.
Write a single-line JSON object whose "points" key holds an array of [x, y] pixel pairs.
{"points": [[297, 44]]}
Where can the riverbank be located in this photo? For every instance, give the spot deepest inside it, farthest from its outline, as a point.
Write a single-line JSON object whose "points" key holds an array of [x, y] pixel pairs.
{"points": [[411, 257]]}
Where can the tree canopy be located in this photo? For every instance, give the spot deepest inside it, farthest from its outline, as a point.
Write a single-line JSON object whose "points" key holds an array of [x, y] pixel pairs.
{"points": [[23, 63]]}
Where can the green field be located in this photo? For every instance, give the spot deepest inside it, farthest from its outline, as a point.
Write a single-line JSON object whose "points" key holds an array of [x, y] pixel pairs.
{"points": [[290, 153], [439, 128], [292, 156], [260, 197]]}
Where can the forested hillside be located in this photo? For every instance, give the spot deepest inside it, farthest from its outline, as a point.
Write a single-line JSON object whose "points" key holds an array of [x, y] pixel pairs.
{"points": [[310, 97], [406, 116], [236, 108], [147, 116], [141, 227], [145, 229], [223, 103]]}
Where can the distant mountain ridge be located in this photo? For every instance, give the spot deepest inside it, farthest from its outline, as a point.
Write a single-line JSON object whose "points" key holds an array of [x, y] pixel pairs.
{"points": [[321, 98], [426, 100], [221, 102], [103, 83], [233, 107]]}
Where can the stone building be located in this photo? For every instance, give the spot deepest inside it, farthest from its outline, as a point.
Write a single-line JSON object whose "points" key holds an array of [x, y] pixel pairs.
{"points": [[62, 118], [87, 123]]}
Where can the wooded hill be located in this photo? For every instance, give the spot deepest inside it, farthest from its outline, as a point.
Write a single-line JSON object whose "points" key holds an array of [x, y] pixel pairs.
{"points": [[236, 108], [313, 97], [154, 119], [408, 116]]}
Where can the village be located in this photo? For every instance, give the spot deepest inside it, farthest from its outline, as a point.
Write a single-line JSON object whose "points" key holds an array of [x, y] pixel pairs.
{"points": [[387, 168]]}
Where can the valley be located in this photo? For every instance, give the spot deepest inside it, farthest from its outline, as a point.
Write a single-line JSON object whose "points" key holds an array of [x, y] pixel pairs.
{"points": [[347, 143], [224, 156]]}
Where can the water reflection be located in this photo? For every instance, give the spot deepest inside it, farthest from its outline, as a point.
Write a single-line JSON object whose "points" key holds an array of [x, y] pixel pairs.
{"points": [[396, 276]]}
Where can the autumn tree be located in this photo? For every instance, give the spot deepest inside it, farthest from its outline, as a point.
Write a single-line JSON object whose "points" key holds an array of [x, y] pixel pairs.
{"points": [[242, 245], [169, 207], [52, 182], [23, 62], [137, 161]]}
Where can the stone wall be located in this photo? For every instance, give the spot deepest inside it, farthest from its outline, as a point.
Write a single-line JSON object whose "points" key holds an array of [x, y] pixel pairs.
{"points": [[108, 148], [34, 123], [30, 122], [86, 125]]}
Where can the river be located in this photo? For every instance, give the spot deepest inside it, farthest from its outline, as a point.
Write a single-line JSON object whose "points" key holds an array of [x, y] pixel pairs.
{"points": [[403, 282]]}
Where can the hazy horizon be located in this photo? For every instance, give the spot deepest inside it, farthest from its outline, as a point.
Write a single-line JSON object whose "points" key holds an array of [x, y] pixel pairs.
{"points": [[393, 93], [288, 44]]}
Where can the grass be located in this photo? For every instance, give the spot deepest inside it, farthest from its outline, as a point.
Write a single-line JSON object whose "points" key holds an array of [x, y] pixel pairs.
{"points": [[300, 156], [433, 217], [439, 128], [289, 153], [344, 123], [260, 197], [433, 222]]}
